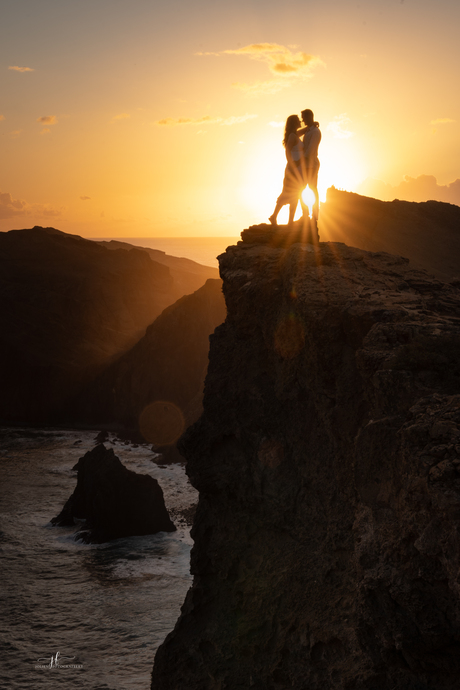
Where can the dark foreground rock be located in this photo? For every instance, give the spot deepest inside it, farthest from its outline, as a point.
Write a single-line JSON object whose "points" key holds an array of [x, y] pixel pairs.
{"points": [[327, 544], [112, 502]]}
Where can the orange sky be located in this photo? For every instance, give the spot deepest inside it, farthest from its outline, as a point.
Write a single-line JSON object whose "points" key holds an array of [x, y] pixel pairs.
{"points": [[137, 118]]}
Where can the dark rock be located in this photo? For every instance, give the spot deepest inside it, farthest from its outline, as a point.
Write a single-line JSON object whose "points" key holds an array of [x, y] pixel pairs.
{"points": [[427, 233], [168, 364], [69, 308], [112, 501], [102, 436], [188, 275], [327, 545], [169, 454]]}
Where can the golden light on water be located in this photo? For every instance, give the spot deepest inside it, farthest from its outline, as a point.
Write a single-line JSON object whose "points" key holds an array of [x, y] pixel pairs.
{"points": [[161, 423]]}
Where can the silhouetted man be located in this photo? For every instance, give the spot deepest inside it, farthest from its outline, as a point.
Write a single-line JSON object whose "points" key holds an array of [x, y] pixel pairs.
{"points": [[311, 140]]}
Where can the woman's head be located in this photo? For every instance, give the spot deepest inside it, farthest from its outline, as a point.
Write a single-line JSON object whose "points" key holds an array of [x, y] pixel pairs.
{"points": [[292, 125]]}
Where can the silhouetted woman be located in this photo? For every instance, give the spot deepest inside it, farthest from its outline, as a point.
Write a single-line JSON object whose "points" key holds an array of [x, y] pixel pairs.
{"points": [[293, 183]]}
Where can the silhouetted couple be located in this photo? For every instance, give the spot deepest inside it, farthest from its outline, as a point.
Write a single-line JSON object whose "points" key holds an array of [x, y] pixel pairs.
{"points": [[302, 167]]}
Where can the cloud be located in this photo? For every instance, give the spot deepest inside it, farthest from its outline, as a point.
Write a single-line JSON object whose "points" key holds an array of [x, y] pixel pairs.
{"points": [[121, 116], [442, 121], [12, 208], [15, 133], [421, 188], [21, 69], [276, 124], [206, 120], [47, 120], [236, 120], [286, 65], [338, 127], [173, 122], [2, 117], [85, 198]]}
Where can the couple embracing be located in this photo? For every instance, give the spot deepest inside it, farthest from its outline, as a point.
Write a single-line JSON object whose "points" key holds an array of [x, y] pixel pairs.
{"points": [[302, 166]]}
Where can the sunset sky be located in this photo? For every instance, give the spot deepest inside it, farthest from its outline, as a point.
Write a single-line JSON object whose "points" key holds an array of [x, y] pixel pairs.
{"points": [[163, 118]]}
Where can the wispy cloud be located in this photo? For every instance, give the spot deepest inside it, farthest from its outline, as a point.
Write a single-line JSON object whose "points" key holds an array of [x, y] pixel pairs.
{"points": [[2, 117], [47, 120], [206, 120], [236, 120], [21, 69], [284, 63], [85, 198], [442, 121], [121, 116], [15, 133], [338, 127], [11, 208], [276, 124]]}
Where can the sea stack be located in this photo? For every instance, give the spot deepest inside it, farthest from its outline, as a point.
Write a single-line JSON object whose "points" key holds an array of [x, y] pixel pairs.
{"points": [[111, 501], [328, 463]]}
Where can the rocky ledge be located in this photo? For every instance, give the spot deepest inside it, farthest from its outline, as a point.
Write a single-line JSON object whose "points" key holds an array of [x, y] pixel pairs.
{"points": [[328, 463]]}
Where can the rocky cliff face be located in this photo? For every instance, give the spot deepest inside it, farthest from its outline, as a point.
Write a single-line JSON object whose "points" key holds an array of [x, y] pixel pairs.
{"points": [[427, 233], [168, 364], [327, 458], [69, 307]]}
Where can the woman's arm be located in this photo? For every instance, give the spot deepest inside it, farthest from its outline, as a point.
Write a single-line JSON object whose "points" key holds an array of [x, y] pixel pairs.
{"points": [[291, 142]]}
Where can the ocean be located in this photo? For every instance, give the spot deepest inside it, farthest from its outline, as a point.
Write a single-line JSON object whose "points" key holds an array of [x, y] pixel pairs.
{"points": [[203, 250], [101, 610]]}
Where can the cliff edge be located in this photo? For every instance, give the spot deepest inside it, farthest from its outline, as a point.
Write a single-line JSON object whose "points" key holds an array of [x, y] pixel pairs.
{"points": [[328, 463]]}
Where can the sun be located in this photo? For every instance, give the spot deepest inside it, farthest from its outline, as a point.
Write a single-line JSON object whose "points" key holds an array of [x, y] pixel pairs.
{"points": [[262, 179]]}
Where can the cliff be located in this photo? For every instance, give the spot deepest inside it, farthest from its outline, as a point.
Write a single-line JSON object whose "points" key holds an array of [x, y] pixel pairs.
{"points": [[428, 233], [69, 308], [328, 463], [188, 275], [169, 364]]}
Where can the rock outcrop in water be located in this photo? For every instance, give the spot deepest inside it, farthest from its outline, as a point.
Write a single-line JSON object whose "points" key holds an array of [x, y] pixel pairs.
{"points": [[111, 501], [69, 307], [327, 545]]}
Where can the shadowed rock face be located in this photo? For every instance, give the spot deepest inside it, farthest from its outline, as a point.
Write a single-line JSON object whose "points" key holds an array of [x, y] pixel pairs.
{"points": [[427, 233], [328, 463], [169, 364], [113, 501], [69, 307], [188, 275]]}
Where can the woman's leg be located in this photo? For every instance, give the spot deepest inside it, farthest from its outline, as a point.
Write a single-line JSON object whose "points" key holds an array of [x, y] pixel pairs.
{"points": [[274, 216]]}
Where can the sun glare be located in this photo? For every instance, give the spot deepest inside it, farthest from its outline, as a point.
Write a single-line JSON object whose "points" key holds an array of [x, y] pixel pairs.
{"points": [[264, 171]]}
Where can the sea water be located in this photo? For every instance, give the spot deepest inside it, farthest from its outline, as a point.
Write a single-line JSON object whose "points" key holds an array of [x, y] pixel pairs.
{"points": [[102, 609], [203, 250]]}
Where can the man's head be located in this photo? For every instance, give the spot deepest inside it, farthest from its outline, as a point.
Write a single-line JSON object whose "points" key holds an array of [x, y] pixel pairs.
{"points": [[307, 117]]}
